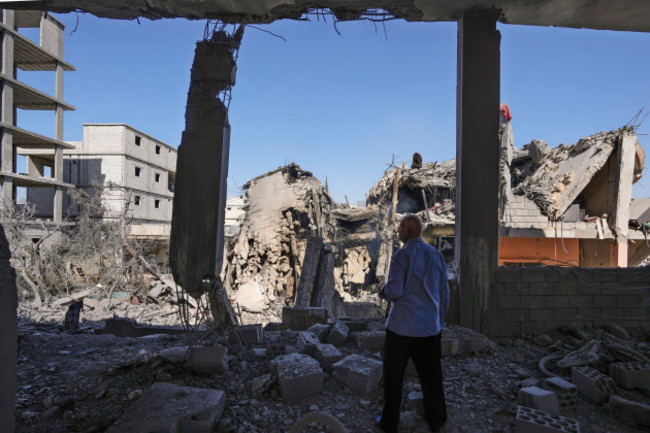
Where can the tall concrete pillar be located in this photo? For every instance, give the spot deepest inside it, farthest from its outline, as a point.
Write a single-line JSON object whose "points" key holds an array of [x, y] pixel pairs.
{"points": [[197, 232], [7, 109], [477, 165], [57, 210], [8, 337]]}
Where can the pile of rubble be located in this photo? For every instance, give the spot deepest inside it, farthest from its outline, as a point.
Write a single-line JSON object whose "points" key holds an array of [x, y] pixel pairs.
{"points": [[319, 377]]}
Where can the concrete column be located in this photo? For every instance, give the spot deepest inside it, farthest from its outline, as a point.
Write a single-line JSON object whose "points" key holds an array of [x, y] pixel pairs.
{"points": [[57, 210], [197, 232], [477, 165], [35, 166], [7, 110]]}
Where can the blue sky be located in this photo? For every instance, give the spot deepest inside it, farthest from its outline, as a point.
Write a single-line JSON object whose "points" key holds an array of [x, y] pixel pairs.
{"points": [[341, 106]]}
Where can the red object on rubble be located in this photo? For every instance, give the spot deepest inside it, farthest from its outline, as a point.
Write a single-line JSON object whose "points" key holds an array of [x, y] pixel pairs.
{"points": [[505, 110]]}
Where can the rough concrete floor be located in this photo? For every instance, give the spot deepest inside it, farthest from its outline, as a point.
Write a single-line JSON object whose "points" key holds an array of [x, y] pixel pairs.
{"points": [[81, 383]]}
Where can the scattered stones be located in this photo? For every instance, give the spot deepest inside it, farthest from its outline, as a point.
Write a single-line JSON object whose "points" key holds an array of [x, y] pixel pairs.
{"points": [[537, 421], [630, 411], [174, 355], [208, 360], [630, 375], [259, 385], [321, 330], [298, 375], [327, 355], [566, 391], [176, 408], [306, 341], [541, 399], [593, 384], [299, 319], [358, 373], [338, 333], [372, 341], [249, 335]]}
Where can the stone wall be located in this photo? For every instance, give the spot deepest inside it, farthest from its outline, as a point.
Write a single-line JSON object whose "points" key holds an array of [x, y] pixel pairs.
{"points": [[534, 300]]}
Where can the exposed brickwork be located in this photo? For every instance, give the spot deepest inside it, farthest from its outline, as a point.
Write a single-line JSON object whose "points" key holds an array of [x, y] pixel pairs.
{"points": [[534, 300]]}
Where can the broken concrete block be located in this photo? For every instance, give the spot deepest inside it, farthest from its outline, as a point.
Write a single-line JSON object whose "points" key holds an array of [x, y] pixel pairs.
{"points": [[537, 421], [249, 335], [593, 384], [258, 385], [321, 330], [538, 398], [630, 375], [372, 341], [366, 310], [298, 375], [358, 373], [630, 411], [305, 342], [208, 360], [566, 391], [354, 324], [166, 407], [174, 355], [299, 319], [327, 355], [338, 333], [377, 325]]}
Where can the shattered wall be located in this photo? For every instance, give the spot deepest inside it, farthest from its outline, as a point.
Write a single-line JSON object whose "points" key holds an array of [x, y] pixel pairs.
{"points": [[286, 208]]}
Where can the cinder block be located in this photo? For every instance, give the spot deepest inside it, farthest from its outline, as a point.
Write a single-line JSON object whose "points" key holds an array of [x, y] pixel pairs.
{"points": [[338, 333], [593, 384], [298, 375], [358, 373], [300, 319], [537, 421], [630, 411], [249, 335], [306, 341], [372, 341], [538, 398], [327, 355], [321, 330], [566, 391], [208, 360], [630, 375]]}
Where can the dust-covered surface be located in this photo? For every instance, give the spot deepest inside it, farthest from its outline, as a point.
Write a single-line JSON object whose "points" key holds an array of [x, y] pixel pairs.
{"points": [[81, 382]]}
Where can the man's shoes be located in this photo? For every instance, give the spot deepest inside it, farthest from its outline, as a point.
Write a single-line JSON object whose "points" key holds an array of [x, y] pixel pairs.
{"points": [[437, 428]]}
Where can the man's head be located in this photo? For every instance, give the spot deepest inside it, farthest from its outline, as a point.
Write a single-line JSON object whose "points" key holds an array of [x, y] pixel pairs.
{"points": [[410, 227]]}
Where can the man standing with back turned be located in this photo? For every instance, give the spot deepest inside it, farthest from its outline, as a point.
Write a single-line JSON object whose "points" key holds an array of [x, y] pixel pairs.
{"points": [[417, 287]]}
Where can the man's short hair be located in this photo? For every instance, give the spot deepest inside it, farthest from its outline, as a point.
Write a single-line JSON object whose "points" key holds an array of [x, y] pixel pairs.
{"points": [[415, 222]]}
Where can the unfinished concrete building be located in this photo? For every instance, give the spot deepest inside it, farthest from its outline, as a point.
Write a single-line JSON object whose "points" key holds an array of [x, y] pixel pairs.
{"points": [[44, 155], [492, 299], [137, 172]]}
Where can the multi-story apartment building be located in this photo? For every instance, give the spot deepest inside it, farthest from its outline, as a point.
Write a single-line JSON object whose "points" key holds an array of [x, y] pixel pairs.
{"points": [[136, 170], [44, 155]]}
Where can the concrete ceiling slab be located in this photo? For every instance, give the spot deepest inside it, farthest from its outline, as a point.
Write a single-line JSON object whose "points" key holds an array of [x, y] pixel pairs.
{"points": [[627, 15]]}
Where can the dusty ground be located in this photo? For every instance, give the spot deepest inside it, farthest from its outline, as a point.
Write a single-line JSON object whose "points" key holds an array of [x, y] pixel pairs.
{"points": [[81, 382]]}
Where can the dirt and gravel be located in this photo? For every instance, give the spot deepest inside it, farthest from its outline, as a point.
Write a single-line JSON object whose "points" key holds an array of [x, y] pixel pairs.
{"points": [[82, 381]]}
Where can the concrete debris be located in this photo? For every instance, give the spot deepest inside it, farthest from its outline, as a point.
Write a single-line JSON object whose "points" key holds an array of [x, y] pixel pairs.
{"points": [[207, 360], [321, 330], [630, 411], [300, 319], [172, 408], [298, 375], [338, 333], [83, 381], [538, 421], [372, 341], [593, 384], [358, 373], [538, 398], [326, 355]]}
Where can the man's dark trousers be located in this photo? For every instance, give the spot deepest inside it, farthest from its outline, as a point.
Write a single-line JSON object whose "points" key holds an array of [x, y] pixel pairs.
{"points": [[425, 352]]}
